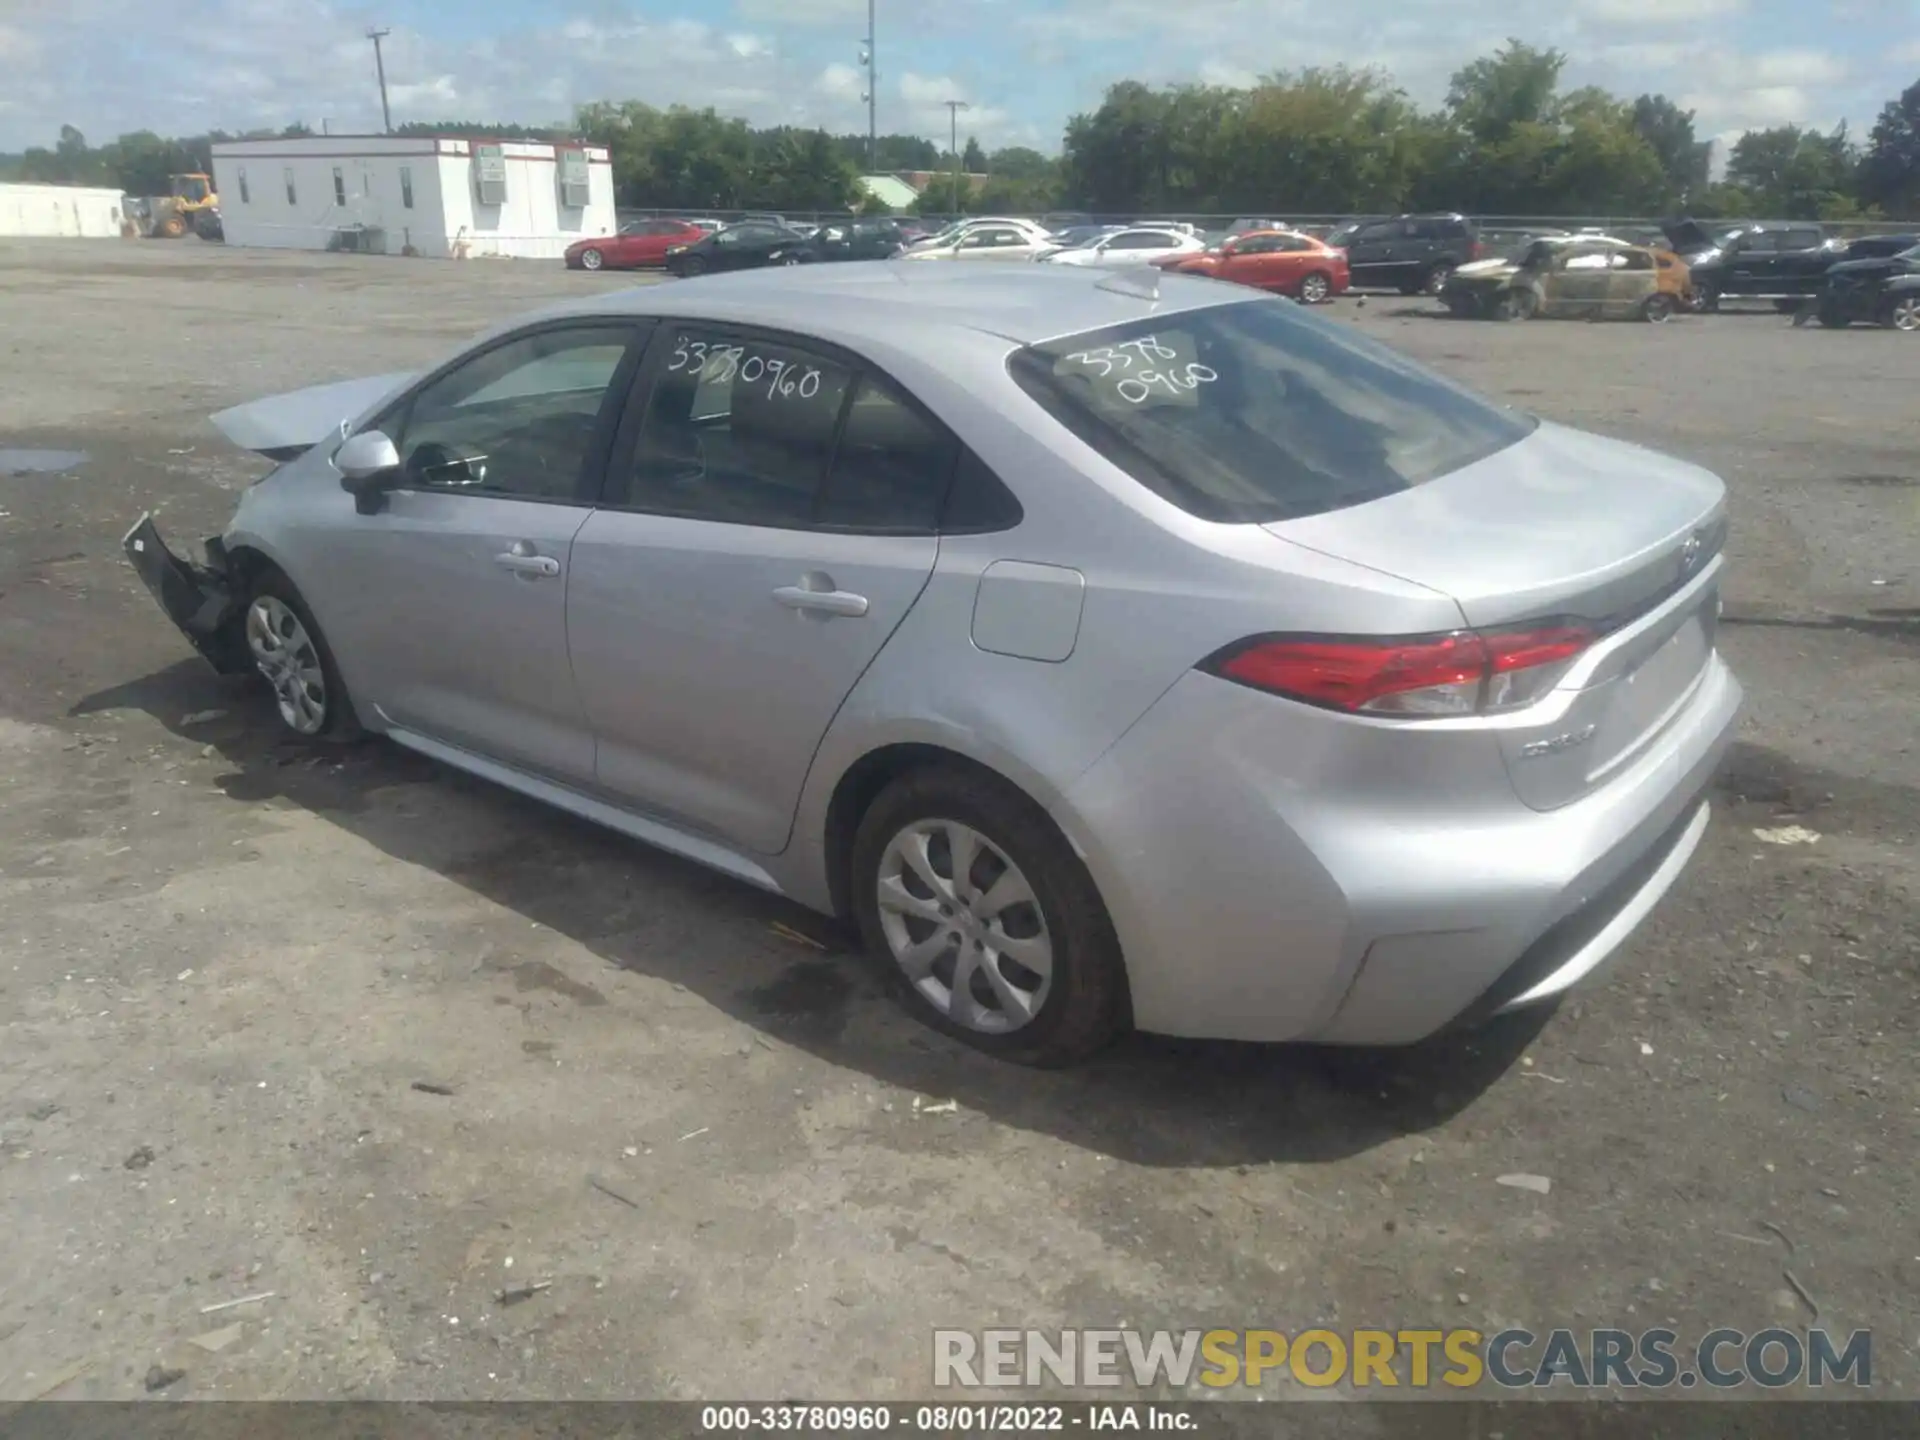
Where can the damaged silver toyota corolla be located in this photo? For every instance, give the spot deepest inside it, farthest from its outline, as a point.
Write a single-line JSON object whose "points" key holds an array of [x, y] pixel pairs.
{"points": [[1114, 648]]}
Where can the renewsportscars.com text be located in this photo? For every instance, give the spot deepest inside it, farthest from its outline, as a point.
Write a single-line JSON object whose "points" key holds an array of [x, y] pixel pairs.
{"points": [[1457, 1359]]}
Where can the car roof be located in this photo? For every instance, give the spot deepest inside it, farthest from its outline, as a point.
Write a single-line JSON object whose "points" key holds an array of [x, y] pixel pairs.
{"points": [[876, 299]]}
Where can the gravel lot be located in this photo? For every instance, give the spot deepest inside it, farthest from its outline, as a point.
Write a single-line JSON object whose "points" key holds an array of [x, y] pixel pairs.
{"points": [[225, 963]]}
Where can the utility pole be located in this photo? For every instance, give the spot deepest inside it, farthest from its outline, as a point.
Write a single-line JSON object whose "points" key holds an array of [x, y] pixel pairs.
{"points": [[872, 97], [380, 68], [954, 107]]}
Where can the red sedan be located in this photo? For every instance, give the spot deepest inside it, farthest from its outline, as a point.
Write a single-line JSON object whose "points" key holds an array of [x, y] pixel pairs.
{"points": [[1283, 261], [643, 243]]}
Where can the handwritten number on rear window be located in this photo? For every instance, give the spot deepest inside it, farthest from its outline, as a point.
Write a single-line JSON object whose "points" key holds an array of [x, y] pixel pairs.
{"points": [[1139, 365]]}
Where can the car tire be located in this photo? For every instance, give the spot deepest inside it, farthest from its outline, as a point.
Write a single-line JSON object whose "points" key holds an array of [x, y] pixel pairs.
{"points": [[1080, 1004], [592, 259], [1657, 309], [789, 260], [691, 266], [1315, 289], [1902, 313], [292, 655], [1435, 280], [1708, 301]]}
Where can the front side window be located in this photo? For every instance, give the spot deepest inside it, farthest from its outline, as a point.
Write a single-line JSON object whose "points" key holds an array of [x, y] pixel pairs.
{"points": [[736, 429], [518, 420], [1800, 240], [1255, 411]]}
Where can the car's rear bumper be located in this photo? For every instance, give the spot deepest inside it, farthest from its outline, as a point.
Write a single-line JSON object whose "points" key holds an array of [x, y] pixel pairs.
{"points": [[1276, 872], [198, 598]]}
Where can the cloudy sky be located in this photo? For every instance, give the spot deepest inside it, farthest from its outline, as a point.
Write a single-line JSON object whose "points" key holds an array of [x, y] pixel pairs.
{"points": [[184, 66]]}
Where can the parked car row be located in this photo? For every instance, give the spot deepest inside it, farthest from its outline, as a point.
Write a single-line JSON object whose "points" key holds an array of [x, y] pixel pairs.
{"points": [[756, 240]]}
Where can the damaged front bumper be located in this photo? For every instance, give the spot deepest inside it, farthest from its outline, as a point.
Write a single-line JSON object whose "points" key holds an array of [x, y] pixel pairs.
{"points": [[199, 599]]}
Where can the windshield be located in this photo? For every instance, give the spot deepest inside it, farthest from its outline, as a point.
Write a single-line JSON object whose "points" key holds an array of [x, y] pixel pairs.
{"points": [[1257, 411]]}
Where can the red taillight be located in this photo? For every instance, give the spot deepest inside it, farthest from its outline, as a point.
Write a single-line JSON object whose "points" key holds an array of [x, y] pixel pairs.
{"points": [[1464, 673]]}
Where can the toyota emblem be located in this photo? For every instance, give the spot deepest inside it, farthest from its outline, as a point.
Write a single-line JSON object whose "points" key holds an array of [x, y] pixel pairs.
{"points": [[1690, 553]]}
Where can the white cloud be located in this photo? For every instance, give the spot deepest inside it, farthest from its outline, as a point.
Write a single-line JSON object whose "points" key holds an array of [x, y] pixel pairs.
{"points": [[803, 12], [843, 82], [1225, 72], [749, 47], [1668, 13], [435, 94]]}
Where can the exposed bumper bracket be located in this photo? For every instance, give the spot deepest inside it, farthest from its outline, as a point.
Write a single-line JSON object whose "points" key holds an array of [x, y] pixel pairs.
{"points": [[199, 599]]}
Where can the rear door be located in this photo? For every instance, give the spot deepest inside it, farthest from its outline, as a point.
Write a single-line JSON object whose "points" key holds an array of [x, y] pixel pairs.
{"points": [[1634, 279], [1251, 262], [770, 516]]}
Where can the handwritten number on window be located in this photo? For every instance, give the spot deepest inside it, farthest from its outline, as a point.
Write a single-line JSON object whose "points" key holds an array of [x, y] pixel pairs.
{"points": [[722, 364], [1134, 363]]}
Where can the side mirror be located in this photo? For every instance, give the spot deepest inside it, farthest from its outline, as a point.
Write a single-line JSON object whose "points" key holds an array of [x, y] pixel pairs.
{"points": [[368, 463]]}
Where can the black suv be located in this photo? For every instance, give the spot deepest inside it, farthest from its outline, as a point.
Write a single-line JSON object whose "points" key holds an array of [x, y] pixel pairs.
{"points": [[1878, 281], [1413, 254], [1783, 263]]}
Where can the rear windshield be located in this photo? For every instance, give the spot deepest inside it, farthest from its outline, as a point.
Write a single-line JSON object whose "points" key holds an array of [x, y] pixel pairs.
{"points": [[1258, 410]]}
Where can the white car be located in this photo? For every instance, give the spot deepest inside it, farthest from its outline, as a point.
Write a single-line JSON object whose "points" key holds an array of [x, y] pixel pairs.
{"points": [[945, 237], [1138, 246], [986, 240]]}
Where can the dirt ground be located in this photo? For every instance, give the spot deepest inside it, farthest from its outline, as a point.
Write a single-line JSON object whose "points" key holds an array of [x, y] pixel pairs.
{"points": [[227, 966]]}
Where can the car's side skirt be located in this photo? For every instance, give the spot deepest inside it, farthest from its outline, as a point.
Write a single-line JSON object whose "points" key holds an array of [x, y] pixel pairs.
{"points": [[698, 848]]}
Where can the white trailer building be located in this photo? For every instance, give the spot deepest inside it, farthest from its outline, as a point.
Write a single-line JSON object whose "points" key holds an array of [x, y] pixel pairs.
{"points": [[445, 195], [74, 210]]}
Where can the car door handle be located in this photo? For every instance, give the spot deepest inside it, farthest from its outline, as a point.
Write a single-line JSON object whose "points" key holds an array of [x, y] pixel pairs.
{"points": [[821, 602], [526, 564]]}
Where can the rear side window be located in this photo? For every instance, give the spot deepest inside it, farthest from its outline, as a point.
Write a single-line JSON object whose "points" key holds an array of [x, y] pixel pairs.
{"points": [[1258, 410], [1800, 240], [892, 467], [736, 431]]}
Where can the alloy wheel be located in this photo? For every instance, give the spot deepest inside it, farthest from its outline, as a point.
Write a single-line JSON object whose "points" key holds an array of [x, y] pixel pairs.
{"points": [[1314, 289], [1905, 313], [965, 926], [591, 260], [288, 658]]}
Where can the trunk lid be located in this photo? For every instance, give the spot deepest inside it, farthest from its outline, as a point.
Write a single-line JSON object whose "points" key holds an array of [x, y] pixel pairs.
{"points": [[1563, 526], [284, 426]]}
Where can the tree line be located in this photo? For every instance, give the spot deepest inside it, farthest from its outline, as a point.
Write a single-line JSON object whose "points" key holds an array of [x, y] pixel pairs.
{"points": [[1507, 140]]}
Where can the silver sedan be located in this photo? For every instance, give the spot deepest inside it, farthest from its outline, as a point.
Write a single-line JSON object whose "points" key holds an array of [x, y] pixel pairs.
{"points": [[1112, 648]]}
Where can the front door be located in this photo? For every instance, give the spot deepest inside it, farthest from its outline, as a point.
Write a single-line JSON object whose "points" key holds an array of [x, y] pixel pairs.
{"points": [[744, 570], [1374, 255], [1750, 267], [450, 602], [1581, 279]]}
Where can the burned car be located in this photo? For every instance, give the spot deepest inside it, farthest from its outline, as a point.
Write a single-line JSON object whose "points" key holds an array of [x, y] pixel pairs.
{"points": [[1878, 282], [1572, 276]]}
